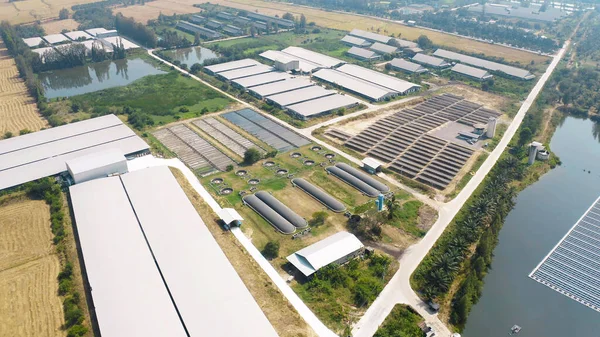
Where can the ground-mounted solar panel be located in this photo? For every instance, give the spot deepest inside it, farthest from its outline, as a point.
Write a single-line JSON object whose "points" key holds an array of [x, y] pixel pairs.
{"points": [[572, 268]]}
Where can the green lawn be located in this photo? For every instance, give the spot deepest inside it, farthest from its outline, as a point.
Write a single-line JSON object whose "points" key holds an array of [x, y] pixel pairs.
{"points": [[403, 321]]}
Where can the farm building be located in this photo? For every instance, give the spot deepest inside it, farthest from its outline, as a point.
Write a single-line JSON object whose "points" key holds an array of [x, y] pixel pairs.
{"points": [[157, 292], [405, 43], [197, 19], [373, 37], [383, 48], [337, 248], [226, 16], [323, 61], [33, 41], [363, 54], [231, 75], [45, 153], [304, 66], [233, 65], [412, 51], [431, 61], [283, 23], [97, 165], [233, 30], [213, 24], [300, 95], [355, 85], [321, 106], [116, 40], [242, 21], [475, 73], [107, 33], [485, 64], [253, 81], [371, 165], [95, 31], [55, 38], [79, 35], [401, 87], [355, 41], [267, 90], [407, 66], [193, 29], [230, 217]]}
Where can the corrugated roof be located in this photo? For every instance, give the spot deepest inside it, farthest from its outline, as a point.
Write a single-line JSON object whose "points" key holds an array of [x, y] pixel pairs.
{"points": [[118, 39], [363, 53], [378, 78], [489, 65], [408, 66], [324, 252], [323, 104], [300, 95], [78, 34], [305, 65], [96, 31], [249, 82], [355, 41], [245, 72], [95, 160], [368, 89], [323, 60], [370, 36], [33, 41], [430, 60], [470, 71], [383, 48], [266, 90], [221, 67], [405, 43], [55, 38]]}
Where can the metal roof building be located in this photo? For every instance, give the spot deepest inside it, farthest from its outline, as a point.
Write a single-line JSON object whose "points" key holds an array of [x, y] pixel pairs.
{"points": [[361, 87], [337, 248], [136, 303], [410, 67], [114, 40], [44, 153], [55, 38], [266, 78], [193, 28], [246, 72], [96, 31], [33, 41], [233, 30], [430, 61], [305, 66], [476, 73], [323, 61], [321, 105], [97, 165], [300, 95], [363, 54], [485, 64], [355, 41], [370, 36], [405, 43], [383, 48], [213, 24], [401, 86], [78, 34], [221, 67], [266, 18], [267, 90]]}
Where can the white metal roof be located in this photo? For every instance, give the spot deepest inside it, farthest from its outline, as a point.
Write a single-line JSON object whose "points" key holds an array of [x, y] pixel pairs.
{"points": [[406, 44], [221, 67], [228, 215], [210, 296], [470, 71], [371, 162], [245, 72], [252, 81], [363, 53], [383, 48], [370, 36], [130, 298], [323, 104], [430, 60], [93, 160], [276, 55], [33, 41], [283, 86], [352, 83], [126, 43], [314, 57], [355, 41], [96, 31], [300, 95], [489, 65], [41, 51], [324, 252], [55, 38], [77, 34], [408, 66], [378, 78]]}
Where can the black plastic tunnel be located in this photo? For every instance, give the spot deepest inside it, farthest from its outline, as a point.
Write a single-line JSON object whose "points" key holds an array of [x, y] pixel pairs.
{"points": [[322, 196], [353, 181], [282, 209], [364, 177], [276, 220]]}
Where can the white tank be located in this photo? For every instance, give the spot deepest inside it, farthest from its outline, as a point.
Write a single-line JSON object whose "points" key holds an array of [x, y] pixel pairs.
{"points": [[491, 128]]}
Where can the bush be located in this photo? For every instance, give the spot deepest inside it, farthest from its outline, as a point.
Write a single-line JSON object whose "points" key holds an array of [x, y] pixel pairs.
{"points": [[318, 218], [229, 168], [24, 132], [271, 250], [184, 109], [8, 134], [251, 156]]}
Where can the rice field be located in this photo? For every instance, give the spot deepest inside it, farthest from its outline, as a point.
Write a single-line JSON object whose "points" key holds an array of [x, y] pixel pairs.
{"points": [[32, 10], [57, 26]]}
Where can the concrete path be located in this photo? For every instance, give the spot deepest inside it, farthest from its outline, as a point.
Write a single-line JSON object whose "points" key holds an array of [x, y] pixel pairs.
{"points": [[302, 309], [398, 290]]}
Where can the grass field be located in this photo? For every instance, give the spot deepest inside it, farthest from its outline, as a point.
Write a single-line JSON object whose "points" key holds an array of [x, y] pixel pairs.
{"points": [[33, 10], [57, 26], [18, 110], [151, 10], [29, 302]]}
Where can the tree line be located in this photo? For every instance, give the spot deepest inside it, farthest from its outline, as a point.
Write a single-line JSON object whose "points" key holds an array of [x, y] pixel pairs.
{"points": [[135, 30]]}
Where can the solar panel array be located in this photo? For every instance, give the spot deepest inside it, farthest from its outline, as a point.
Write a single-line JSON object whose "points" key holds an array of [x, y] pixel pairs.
{"points": [[572, 268], [401, 139], [226, 136], [268, 131]]}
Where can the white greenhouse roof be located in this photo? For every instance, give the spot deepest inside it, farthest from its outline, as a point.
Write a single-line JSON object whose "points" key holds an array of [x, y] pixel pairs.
{"points": [[378, 78], [363, 53], [323, 104], [96, 31], [55, 38], [221, 67], [283, 86], [383, 48], [305, 65], [78, 34], [408, 66], [245, 72], [300, 95], [206, 289], [252, 81], [470, 71], [368, 89], [94, 160], [355, 41], [324, 252], [126, 43], [323, 60], [372, 162], [370, 36], [41, 51], [489, 65], [228, 215], [33, 41], [130, 298]]}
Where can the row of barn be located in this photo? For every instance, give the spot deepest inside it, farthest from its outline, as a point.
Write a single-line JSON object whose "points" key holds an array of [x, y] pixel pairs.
{"points": [[370, 46]]}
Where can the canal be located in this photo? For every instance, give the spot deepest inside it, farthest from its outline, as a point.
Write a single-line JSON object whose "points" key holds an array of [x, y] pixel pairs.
{"points": [[543, 214]]}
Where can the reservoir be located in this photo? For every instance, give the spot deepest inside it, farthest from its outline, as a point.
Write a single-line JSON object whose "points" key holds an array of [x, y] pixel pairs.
{"points": [[191, 55], [543, 214], [95, 76]]}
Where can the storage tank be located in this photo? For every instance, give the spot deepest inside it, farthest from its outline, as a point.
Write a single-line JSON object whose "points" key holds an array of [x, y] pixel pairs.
{"points": [[491, 128]]}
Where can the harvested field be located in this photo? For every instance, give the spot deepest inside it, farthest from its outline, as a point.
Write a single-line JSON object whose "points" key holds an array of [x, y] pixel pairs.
{"points": [[32, 10], [28, 270], [18, 110], [57, 26], [152, 9]]}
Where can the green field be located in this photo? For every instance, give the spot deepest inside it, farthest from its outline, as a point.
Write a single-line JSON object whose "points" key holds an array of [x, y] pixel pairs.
{"points": [[403, 321]]}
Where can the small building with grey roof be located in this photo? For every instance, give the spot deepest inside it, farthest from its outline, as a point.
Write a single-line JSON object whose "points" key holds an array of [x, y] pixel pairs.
{"points": [[363, 54], [430, 61], [194, 28], [407, 66], [401, 43], [511, 71], [374, 37], [475, 73], [383, 48], [355, 41], [33, 41]]}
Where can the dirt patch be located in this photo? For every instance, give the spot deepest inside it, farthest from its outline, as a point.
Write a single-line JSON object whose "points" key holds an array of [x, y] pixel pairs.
{"points": [[427, 217], [57, 26], [488, 100]]}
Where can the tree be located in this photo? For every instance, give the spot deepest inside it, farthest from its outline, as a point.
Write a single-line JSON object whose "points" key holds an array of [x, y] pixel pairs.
{"points": [[196, 67], [424, 42], [63, 14], [75, 107], [251, 156], [197, 38], [525, 136], [318, 218], [271, 250], [302, 21], [288, 16], [8, 134]]}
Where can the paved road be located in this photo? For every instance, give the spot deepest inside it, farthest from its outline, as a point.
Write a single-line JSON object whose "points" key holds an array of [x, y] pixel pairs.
{"points": [[398, 290]]}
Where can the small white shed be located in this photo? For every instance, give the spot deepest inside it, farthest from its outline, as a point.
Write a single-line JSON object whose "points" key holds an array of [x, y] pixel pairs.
{"points": [[230, 217], [371, 165], [97, 165]]}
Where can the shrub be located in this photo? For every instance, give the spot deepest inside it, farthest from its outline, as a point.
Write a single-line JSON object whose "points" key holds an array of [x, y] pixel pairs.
{"points": [[318, 218], [271, 250], [251, 156], [8, 134]]}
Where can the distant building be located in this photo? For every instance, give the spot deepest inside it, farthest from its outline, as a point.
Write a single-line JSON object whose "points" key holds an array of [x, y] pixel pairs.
{"points": [[534, 148], [383, 48], [355, 41], [193, 29], [431, 61], [371, 165], [363, 54], [474, 73], [412, 51], [407, 66]]}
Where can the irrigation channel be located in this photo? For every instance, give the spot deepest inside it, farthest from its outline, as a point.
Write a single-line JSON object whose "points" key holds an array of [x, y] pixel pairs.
{"points": [[543, 214]]}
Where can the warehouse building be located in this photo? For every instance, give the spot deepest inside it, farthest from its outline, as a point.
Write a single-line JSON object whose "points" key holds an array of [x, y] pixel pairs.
{"points": [[405, 43], [300, 95], [430, 61], [355, 85], [283, 23], [197, 19], [97, 165], [33, 41], [337, 248], [233, 30], [266, 78], [383, 48], [475, 73], [407, 66], [158, 293], [400, 86], [373, 37], [363, 54], [323, 61], [231, 75], [194, 28], [304, 65], [412, 51], [267, 90], [355, 41], [233, 65], [213, 24], [79, 35], [45, 153], [485, 64], [55, 38], [226, 16], [321, 106]]}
